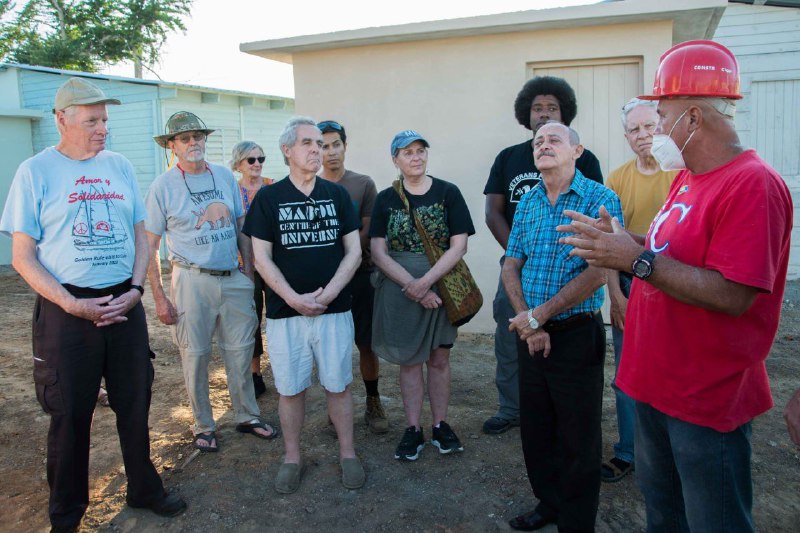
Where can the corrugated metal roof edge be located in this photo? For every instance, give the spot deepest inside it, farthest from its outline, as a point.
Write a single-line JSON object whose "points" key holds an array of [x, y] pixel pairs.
{"points": [[99, 76]]}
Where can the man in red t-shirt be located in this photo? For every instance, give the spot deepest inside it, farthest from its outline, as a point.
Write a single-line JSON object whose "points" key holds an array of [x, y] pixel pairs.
{"points": [[705, 308]]}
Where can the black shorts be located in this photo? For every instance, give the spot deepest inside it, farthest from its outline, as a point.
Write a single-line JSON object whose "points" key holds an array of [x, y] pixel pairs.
{"points": [[363, 296]]}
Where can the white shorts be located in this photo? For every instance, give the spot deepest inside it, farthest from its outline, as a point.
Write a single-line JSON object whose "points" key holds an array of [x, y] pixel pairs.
{"points": [[296, 343]]}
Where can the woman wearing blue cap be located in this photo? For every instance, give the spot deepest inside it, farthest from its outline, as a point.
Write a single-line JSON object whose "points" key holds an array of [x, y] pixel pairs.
{"points": [[410, 325]]}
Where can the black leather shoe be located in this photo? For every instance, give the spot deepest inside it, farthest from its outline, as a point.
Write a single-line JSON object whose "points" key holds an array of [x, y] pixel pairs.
{"points": [[65, 529], [167, 505], [530, 521]]}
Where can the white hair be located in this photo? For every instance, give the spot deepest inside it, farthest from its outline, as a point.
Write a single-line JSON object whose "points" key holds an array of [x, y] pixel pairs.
{"points": [[631, 105], [289, 134], [68, 112]]}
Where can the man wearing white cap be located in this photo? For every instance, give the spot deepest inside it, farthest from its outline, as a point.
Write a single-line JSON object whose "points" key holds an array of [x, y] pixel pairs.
{"points": [[76, 219], [705, 308]]}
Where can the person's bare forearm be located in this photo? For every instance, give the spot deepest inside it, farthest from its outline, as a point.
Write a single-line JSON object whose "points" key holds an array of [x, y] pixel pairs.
{"points": [[142, 258], [25, 262], [494, 212], [390, 268], [245, 248], [446, 263], [269, 272], [154, 267], [614, 289], [347, 267], [512, 283], [701, 287], [574, 292]]}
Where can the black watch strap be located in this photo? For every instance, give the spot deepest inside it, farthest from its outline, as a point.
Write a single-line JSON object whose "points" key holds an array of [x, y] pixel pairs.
{"points": [[642, 266], [138, 288]]}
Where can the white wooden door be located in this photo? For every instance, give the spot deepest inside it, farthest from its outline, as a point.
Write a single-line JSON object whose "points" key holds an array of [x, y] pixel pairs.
{"points": [[602, 88]]}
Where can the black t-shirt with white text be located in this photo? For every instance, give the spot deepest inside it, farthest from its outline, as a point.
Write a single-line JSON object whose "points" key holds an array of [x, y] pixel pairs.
{"points": [[514, 173], [306, 233]]}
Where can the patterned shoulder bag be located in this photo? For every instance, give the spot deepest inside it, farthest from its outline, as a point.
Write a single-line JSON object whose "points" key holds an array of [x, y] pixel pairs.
{"points": [[461, 296]]}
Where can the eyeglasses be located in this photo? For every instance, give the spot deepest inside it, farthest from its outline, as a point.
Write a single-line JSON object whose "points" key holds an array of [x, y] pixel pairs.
{"points": [[252, 160], [330, 124], [314, 213], [197, 136]]}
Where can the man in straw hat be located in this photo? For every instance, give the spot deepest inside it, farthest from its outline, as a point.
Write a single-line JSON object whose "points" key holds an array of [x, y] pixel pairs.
{"points": [[76, 219], [197, 206], [705, 306]]}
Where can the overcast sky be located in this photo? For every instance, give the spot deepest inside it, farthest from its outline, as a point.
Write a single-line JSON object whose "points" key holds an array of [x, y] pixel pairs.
{"points": [[208, 54]]}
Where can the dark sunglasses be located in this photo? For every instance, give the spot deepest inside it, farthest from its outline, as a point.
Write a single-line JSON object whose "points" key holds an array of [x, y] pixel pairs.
{"points": [[252, 160], [330, 124]]}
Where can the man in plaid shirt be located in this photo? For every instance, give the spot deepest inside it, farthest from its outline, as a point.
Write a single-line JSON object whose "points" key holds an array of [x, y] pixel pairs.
{"points": [[562, 341]]}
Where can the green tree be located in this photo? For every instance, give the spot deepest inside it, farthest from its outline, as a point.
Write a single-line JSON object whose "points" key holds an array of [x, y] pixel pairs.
{"points": [[88, 34]]}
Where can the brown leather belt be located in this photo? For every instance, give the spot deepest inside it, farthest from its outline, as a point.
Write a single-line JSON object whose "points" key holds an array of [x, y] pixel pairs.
{"points": [[572, 322], [202, 270]]}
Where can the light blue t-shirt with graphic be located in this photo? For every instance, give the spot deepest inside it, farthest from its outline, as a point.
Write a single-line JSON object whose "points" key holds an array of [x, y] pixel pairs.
{"points": [[80, 213], [197, 214]]}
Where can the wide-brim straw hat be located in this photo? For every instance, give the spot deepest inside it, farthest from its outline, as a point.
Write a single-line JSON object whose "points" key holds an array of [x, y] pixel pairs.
{"points": [[181, 122]]}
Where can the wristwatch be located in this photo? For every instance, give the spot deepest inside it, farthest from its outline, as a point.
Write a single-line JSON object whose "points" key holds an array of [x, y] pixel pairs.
{"points": [[642, 266], [532, 322], [138, 288]]}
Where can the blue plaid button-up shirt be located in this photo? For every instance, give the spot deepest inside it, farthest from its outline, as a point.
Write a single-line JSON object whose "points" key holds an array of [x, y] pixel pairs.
{"points": [[534, 239]]}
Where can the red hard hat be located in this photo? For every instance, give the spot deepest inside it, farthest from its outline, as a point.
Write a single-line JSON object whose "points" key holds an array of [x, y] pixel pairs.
{"points": [[697, 68]]}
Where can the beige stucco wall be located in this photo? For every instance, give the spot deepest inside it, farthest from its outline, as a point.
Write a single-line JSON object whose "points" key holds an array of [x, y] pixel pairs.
{"points": [[459, 93]]}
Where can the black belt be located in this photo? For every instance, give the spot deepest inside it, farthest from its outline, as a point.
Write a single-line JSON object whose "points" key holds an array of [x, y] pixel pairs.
{"points": [[88, 292], [572, 322], [208, 271]]}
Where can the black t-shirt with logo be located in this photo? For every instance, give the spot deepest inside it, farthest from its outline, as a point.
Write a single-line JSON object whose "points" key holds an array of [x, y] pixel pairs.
{"points": [[441, 210], [306, 233], [514, 173]]}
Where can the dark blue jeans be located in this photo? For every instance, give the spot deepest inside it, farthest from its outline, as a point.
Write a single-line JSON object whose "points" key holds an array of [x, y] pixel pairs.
{"points": [[693, 478], [626, 408]]}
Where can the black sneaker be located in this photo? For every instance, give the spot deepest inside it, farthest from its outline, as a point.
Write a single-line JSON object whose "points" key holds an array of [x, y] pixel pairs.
{"points": [[445, 439], [410, 445], [259, 387], [495, 425]]}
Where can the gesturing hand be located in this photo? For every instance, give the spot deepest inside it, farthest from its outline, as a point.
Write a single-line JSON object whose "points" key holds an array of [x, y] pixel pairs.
{"points": [[600, 248]]}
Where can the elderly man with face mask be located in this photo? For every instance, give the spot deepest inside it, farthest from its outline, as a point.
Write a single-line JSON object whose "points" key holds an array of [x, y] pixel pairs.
{"points": [[705, 308], [641, 186]]}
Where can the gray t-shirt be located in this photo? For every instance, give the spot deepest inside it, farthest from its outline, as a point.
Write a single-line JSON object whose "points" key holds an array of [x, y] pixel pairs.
{"points": [[197, 213], [362, 191]]}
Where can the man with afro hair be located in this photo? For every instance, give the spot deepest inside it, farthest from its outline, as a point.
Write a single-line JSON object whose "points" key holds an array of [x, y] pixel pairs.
{"points": [[513, 173]]}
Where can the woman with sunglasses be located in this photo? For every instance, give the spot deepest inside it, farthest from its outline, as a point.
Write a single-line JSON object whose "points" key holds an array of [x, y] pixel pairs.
{"points": [[248, 159], [410, 326]]}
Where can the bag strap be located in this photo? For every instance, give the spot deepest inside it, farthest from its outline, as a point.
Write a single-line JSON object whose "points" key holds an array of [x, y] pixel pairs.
{"points": [[427, 243]]}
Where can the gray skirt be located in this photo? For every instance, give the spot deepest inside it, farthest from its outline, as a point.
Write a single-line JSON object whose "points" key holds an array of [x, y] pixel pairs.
{"points": [[404, 332]]}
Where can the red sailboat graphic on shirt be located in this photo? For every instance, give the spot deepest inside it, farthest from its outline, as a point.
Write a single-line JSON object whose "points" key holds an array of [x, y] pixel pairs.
{"points": [[97, 224]]}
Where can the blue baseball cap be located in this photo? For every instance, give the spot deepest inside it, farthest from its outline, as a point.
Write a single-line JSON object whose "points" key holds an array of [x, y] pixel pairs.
{"points": [[404, 138]]}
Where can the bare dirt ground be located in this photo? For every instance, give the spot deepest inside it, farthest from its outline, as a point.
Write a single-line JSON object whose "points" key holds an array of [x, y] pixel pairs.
{"points": [[478, 490]]}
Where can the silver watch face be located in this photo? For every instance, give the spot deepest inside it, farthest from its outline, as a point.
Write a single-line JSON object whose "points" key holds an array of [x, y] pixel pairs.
{"points": [[533, 323]]}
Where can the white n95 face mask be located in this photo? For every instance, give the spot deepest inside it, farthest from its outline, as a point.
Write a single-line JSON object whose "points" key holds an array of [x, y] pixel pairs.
{"points": [[666, 152]]}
